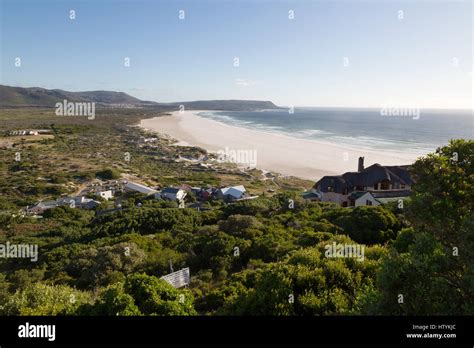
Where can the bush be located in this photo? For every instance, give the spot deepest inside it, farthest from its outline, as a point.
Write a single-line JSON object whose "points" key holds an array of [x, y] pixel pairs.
{"points": [[108, 174], [154, 296], [42, 299]]}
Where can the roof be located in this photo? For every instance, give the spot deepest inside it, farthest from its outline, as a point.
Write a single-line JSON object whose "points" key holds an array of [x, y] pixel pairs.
{"points": [[234, 191], [337, 183], [78, 201], [310, 195], [172, 190], [402, 172], [139, 188], [46, 204], [92, 203], [366, 178]]}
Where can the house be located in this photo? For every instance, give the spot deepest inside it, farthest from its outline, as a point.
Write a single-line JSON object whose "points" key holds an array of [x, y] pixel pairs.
{"points": [[172, 194], [231, 193], [73, 202], [360, 198], [384, 183], [79, 202], [41, 207], [135, 187], [193, 189], [206, 193], [105, 194], [23, 132]]}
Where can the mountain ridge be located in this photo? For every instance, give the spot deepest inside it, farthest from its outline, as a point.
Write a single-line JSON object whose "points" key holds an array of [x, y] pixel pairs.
{"points": [[41, 97]]}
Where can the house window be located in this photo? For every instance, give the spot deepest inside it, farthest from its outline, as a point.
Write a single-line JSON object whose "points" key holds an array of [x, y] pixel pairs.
{"points": [[385, 185], [344, 204], [402, 186], [368, 202], [330, 189]]}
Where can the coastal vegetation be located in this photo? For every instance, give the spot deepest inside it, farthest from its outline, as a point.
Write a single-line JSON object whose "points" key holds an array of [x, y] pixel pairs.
{"points": [[265, 256]]}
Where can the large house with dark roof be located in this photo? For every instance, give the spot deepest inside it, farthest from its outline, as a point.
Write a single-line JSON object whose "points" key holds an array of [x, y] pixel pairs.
{"points": [[373, 185]]}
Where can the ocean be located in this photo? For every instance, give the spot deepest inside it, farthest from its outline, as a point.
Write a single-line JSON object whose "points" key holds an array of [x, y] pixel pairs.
{"points": [[399, 130]]}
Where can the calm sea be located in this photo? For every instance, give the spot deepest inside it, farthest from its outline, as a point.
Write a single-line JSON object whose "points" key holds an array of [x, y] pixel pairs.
{"points": [[412, 131]]}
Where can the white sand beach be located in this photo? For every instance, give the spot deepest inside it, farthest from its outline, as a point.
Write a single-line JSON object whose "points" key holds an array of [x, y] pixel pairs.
{"points": [[308, 159]]}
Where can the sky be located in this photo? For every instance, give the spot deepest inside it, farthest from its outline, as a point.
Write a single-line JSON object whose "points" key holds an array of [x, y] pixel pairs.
{"points": [[330, 53]]}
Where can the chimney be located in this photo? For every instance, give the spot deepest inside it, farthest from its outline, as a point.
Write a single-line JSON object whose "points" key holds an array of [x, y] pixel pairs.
{"points": [[360, 167]]}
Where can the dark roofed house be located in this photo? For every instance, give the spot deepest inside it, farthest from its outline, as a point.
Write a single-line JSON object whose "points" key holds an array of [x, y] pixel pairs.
{"points": [[387, 183]]}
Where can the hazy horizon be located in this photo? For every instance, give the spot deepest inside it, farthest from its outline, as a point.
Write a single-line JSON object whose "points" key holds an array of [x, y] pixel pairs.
{"points": [[281, 106]]}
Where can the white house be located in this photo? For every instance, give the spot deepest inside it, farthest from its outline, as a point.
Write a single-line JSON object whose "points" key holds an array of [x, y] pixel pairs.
{"points": [[232, 192], [172, 194], [135, 187], [78, 202], [363, 198], [105, 194]]}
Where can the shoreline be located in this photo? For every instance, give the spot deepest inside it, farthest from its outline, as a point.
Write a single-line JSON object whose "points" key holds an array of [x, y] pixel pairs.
{"points": [[279, 153]]}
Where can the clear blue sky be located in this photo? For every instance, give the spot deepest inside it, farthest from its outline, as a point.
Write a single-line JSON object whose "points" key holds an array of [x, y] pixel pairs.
{"points": [[424, 59]]}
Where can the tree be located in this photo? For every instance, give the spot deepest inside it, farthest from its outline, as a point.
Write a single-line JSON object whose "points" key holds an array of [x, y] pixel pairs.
{"points": [[145, 220], [108, 174], [105, 265], [306, 283], [154, 296], [430, 269], [22, 277], [368, 225], [113, 300], [42, 299], [241, 226], [4, 287]]}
